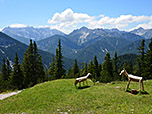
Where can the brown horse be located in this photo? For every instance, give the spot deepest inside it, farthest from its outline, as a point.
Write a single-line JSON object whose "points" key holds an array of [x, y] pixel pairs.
{"points": [[133, 78]]}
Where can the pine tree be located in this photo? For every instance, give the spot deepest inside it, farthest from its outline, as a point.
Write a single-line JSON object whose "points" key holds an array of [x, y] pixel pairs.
{"points": [[141, 59], [76, 70], [100, 68], [4, 71], [9, 68], [38, 67], [52, 70], [91, 70], [115, 68], [84, 69], [70, 73], [124, 66], [106, 74], [32, 66], [148, 62], [60, 71], [91, 67], [130, 68], [27, 65], [17, 74], [96, 68]]}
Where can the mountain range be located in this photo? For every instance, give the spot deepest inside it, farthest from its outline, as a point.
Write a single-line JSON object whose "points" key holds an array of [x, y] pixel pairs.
{"points": [[9, 47], [24, 34], [146, 33], [83, 44]]}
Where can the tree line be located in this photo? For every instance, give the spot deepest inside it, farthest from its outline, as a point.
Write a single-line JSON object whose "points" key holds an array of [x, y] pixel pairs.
{"points": [[31, 71]]}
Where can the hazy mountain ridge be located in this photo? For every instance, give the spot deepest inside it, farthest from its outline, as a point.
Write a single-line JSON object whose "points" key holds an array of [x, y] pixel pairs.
{"points": [[85, 36], [146, 33], [83, 44], [24, 34], [9, 47]]}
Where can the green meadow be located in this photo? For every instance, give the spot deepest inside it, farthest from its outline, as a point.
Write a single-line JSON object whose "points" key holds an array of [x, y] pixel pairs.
{"points": [[61, 96]]}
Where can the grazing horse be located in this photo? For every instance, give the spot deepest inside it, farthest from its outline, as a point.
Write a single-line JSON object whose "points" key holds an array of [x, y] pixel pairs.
{"points": [[133, 78], [82, 79]]}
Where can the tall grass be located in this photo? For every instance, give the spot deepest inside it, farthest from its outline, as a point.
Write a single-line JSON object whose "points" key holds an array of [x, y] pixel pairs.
{"points": [[60, 96]]}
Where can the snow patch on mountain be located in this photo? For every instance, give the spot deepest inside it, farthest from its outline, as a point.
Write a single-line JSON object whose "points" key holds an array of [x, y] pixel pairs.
{"points": [[104, 50], [84, 35], [2, 51], [8, 45]]}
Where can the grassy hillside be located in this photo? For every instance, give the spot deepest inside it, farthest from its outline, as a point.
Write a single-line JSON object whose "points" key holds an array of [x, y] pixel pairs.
{"points": [[61, 96]]}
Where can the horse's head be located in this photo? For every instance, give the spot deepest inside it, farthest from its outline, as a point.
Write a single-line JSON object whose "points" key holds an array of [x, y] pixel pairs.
{"points": [[88, 74], [122, 72]]}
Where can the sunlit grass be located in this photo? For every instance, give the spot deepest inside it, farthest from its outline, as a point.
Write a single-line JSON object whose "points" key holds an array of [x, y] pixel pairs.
{"points": [[62, 96]]}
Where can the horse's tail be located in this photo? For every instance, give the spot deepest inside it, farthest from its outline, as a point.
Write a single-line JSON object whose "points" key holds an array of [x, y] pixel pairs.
{"points": [[76, 81]]}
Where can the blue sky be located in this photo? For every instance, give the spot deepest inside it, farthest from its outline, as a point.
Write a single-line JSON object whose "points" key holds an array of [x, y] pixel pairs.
{"points": [[67, 15]]}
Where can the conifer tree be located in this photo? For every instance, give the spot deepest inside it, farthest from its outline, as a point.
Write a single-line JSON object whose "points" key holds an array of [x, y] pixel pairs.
{"points": [[27, 65], [130, 68], [60, 71], [115, 68], [96, 68], [17, 74], [4, 71], [84, 69], [106, 74], [91, 70], [141, 59], [76, 70], [148, 62], [52, 70], [9, 68], [124, 66], [100, 68], [32, 66], [38, 67], [70, 73], [91, 67]]}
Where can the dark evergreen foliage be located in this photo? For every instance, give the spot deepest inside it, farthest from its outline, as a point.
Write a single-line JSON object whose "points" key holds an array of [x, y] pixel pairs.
{"points": [[32, 66], [31, 71], [141, 59], [115, 67], [4, 71], [9, 68], [60, 71], [52, 70], [96, 68], [17, 74], [106, 73], [84, 69], [76, 70], [148, 62]]}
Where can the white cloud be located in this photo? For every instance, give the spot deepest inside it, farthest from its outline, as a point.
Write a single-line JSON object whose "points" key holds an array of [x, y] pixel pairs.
{"points": [[68, 20], [43, 26], [17, 25]]}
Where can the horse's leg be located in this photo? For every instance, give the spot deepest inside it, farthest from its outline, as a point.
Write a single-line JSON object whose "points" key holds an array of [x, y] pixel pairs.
{"points": [[142, 85], [80, 84], [139, 86], [87, 82], [128, 84]]}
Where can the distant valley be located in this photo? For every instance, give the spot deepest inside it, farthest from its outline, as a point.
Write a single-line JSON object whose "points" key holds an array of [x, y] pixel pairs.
{"points": [[9, 47], [82, 44]]}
